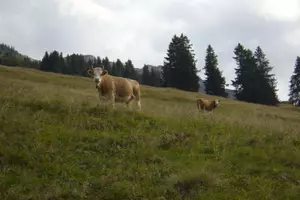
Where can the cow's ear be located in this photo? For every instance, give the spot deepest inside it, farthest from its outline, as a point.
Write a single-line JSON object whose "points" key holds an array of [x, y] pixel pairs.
{"points": [[90, 72], [104, 72]]}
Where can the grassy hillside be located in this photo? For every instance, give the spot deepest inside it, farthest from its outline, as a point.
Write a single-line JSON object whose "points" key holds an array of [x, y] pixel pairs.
{"points": [[57, 142]]}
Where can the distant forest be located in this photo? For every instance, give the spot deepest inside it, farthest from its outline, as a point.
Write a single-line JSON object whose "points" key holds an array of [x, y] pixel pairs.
{"points": [[77, 64], [254, 81]]}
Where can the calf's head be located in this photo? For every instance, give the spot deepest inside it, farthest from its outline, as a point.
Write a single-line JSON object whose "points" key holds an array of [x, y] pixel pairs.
{"points": [[97, 73]]}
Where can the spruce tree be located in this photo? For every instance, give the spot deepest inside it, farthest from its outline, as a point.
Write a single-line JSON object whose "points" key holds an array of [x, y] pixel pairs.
{"points": [[294, 94], [90, 62], [244, 83], [106, 65], [129, 71], [266, 82], [118, 68], [44, 65], [254, 82], [179, 70], [54, 62], [215, 82], [98, 62], [146, 79], [113, 68], [155, 78]]}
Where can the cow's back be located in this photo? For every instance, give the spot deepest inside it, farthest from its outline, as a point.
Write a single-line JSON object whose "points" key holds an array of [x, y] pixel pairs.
{"points": [[122, 86]]}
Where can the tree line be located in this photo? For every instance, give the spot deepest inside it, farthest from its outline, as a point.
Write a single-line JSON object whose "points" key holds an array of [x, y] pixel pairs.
{"points": [[10, 57], [78, 64], [254, 81]]}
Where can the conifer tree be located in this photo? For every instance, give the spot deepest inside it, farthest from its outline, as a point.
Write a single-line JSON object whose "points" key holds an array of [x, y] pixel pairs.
{"points": [[106, 65], [155, 78], [98, 62], [54, 62], [266, 82], [146, 79], [179, 70], [294, 93], [254, 82], [44, 66], [118, 68], [244, 82], [215, 82], [129, 71]]}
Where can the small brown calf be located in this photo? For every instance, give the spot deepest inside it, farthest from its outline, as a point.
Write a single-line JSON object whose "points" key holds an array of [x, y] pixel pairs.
{"points": [[207, 105]]}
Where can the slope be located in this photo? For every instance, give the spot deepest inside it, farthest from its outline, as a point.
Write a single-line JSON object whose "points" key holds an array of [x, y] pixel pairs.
{"points": [[57, 142]]}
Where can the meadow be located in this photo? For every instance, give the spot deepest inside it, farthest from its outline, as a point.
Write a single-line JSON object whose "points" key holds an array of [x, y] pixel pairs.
{"points": [[58, 142]]}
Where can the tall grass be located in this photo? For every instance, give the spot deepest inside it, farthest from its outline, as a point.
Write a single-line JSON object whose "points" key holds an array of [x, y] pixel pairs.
{"points": [[58, 142]]}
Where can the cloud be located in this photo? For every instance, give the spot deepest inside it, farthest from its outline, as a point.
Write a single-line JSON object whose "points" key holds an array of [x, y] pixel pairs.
{"points": [[87, 9], [281, 10], [141, 30]]}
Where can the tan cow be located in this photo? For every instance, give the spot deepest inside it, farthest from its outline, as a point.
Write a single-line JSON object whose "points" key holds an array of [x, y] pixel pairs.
{"points": [[207, 105], [116, 89]]}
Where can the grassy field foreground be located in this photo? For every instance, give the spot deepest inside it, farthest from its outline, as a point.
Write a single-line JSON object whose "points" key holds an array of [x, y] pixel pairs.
{"points": [[57, 142]]}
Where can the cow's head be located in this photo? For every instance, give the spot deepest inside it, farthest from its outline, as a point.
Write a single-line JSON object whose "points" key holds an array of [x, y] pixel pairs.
{"points": [[97, 73], [217, 102]]}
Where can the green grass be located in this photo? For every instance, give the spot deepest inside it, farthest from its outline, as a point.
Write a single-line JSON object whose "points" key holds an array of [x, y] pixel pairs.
{"points": [[58, 142]]}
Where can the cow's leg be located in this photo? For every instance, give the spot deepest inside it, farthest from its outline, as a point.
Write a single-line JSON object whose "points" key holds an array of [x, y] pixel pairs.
{"points": [[138, 100], [112, 99], [198, 105], [202, 108], [138, 103], [101, 98], [129, 101], [129, 105]]}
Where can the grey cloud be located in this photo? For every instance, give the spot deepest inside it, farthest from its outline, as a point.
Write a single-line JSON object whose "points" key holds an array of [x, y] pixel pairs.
{"points": [[46, 29]]}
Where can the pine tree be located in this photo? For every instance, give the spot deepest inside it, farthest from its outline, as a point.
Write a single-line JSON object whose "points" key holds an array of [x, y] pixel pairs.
{"points": [[179, 70], [146, 79], [62, 64], [106, 64], [54, 62], [165, 79], [118, 68], [90, 62], [44, 66], [254, 83], [244, 83], [98, 62], [155, 78], [294, 94], [129, 71], [215, 82], [113, 68], [266, 82]]}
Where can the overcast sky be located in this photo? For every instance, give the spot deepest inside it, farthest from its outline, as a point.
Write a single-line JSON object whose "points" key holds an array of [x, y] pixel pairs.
{"points": [[141, 30]]}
